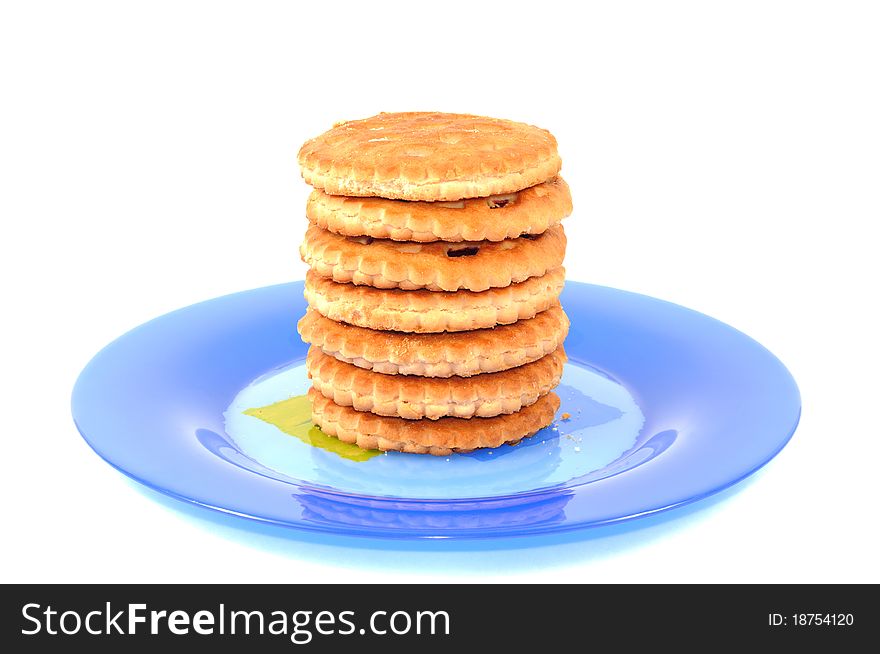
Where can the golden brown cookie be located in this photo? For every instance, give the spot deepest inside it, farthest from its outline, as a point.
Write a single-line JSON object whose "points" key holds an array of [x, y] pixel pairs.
{"points": [[495, 218], [439, 437], [432, 311], [438, 266], [414, 398], [429, 156], [460, 354]]}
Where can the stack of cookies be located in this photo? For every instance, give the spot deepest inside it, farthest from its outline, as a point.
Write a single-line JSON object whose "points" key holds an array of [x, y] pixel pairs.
{"points": [[435, 251]]}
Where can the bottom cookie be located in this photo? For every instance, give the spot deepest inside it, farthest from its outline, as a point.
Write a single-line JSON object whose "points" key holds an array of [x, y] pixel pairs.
{"points": [[438, 437]]}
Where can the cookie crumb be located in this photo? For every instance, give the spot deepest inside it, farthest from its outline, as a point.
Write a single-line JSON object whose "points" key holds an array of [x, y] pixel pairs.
{"points": [[566, 415]]}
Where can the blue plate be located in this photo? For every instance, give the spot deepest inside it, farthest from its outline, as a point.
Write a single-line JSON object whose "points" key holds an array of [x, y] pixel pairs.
{"points": [[661, 406]]}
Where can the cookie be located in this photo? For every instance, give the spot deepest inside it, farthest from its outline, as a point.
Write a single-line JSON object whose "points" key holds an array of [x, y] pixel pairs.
{"points": [[413, 398], [437, 266], [439, 437], [460, 354], [432, 311], [429, 156], [530, 211]]}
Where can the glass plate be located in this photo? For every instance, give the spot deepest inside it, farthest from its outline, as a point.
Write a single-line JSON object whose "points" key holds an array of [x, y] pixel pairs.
{"points": [[661, 406]]}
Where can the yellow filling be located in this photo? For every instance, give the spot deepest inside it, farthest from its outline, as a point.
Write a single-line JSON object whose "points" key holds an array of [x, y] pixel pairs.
{"points": [[293, 416]]}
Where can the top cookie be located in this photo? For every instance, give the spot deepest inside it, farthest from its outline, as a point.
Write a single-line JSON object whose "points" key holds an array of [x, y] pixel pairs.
{"points": [[429, 156]]}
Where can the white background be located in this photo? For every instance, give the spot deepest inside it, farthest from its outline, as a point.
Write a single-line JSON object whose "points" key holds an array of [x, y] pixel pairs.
{"points": [[725, 156]]}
